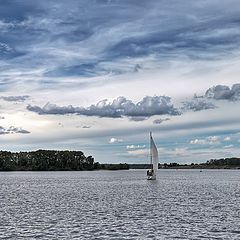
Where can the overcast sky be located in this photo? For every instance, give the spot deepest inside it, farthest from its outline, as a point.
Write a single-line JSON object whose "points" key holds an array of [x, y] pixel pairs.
{"points": [[98, 75]]}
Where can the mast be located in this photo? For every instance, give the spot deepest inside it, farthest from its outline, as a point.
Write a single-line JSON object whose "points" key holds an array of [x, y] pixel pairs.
{"points": [[151, 160]]}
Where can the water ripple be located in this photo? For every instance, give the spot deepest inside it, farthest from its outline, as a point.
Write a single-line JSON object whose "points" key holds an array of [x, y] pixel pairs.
{"points": [[183, 204]]}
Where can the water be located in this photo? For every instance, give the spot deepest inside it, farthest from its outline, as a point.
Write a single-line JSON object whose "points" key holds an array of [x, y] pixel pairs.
{"points": [[181, 204]]}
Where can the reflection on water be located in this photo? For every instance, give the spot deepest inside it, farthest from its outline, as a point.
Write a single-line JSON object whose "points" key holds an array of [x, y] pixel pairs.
{"points": [[183, 204]]}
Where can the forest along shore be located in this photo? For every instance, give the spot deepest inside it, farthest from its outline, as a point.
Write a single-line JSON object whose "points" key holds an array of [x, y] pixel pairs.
{"points": [[52, 160], [223, 163]]}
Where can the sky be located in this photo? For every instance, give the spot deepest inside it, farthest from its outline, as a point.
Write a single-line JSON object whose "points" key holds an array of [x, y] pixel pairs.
{"points": [[99, 75]]}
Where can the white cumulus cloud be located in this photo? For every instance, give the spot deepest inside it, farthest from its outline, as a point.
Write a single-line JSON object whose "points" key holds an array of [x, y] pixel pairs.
{"points": [[135, 146], [119, 107], [115, 140], [208, 140], [227, 139]]}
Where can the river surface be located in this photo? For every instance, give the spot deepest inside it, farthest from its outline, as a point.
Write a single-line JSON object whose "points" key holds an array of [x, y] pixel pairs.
{"points": [[181, 204]]}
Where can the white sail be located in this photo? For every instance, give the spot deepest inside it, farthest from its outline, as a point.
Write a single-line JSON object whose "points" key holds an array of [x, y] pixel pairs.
{"points": [[154, 154], [152, 173]]}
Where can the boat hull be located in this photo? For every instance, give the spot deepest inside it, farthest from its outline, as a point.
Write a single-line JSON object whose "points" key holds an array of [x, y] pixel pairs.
{"points": [[151, 178]]}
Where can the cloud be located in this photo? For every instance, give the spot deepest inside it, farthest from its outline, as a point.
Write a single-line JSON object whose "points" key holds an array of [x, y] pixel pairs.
{"points": [[60, 125], [53, 109], [144, 153], [85, 69], [198, 104], [226, 139], [12, 130], [8, 52], [198, 141], [219, 92], [65, 45], [136, 153], [160, 120], [115, 140], [61, 44], [181, 152], [213, 139], [228, 146], [137, 68], [135, 146], [119, 107], [138, 118], [206, 141], [222, 92], [15, 98], [4, 48], [86, 126]]}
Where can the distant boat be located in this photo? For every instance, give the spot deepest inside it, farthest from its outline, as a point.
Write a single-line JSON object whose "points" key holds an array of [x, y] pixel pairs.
{"points": [[152, 173]]}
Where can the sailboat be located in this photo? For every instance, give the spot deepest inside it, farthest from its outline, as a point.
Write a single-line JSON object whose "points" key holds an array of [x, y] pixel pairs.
{"points": [[152, 173]]}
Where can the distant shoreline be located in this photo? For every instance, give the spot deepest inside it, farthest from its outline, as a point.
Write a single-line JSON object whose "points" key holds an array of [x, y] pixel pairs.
{"points": [[206, 167], [223, 163], [54, 160], [197, 168]]}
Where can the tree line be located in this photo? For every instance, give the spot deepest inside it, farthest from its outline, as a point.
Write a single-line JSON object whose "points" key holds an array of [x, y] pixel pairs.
{"points": [[233, 162], [52, 160], [224, 162]]}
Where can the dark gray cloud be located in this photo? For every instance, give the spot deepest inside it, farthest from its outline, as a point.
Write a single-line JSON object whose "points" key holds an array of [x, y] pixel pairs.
{"points": [[15, 98], [222, 92], [219, 92], [160, 120], [12, 130], [119, 107], [138, 118], [85, 38], [198, 104], [86, 126], [53, 109]]}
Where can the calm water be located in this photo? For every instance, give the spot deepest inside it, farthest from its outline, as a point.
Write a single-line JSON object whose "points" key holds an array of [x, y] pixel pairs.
{"points": [[181, 204]]}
